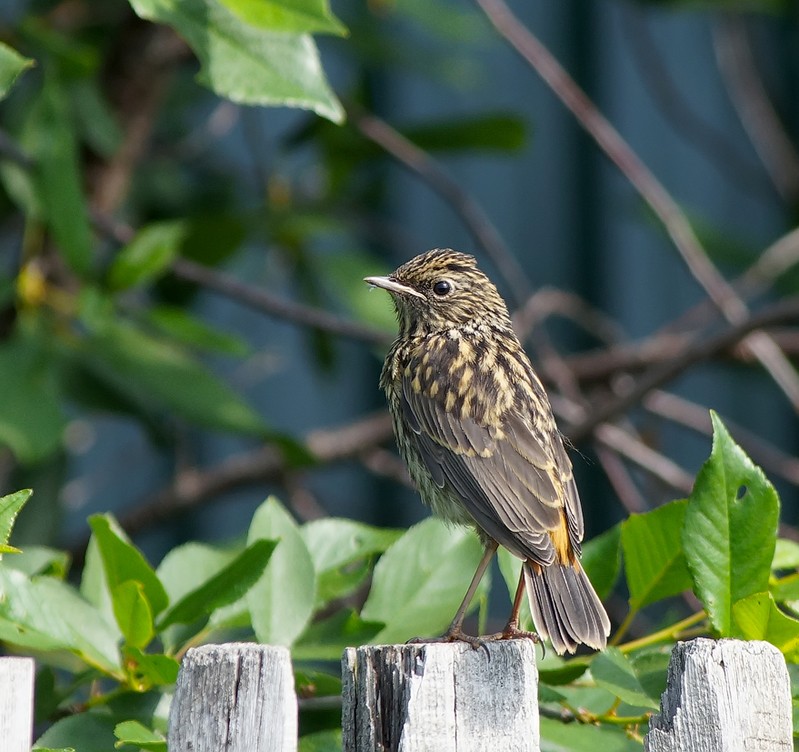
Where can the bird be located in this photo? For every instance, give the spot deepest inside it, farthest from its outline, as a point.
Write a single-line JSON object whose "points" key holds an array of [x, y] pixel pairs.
{"points": [[474, 425]]}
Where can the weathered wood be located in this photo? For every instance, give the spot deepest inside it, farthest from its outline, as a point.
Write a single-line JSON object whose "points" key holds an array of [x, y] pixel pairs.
{"points": [[440, 698], [724, 696], [237, 697], [16, 704]]}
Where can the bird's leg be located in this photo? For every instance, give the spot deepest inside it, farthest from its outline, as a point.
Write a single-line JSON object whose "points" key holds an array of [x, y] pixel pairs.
{"points": [[455, 629], [512, 630], [455, 632]]}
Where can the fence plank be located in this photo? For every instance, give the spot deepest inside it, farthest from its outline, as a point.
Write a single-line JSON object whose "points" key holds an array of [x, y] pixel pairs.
{"points": [[724, 695], [440, 698], [237, 697], [16, 704]]}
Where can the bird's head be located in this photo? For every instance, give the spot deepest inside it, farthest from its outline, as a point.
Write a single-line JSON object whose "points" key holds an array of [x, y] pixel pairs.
{"points": [[440, 290]]}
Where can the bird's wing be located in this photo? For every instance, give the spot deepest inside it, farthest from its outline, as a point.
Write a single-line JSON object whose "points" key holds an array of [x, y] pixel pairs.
{"points": [[515, 482]]}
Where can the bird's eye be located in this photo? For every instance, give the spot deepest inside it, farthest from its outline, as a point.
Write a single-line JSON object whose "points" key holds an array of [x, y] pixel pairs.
{"points": [[442, 287]]}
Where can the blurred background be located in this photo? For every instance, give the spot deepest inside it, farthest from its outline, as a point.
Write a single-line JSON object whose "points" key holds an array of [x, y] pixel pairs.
{"points": [[190, 331]]}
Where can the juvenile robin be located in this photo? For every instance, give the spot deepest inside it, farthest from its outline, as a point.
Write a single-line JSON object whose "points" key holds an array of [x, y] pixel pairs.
{"points": [[475, 427]]}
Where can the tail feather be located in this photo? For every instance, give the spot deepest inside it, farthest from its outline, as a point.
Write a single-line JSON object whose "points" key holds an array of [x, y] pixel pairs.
{"points": [[565, 607]]}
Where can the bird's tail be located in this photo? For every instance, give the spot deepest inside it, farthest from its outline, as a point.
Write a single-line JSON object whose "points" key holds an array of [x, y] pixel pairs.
{"points": [[565, 607]]}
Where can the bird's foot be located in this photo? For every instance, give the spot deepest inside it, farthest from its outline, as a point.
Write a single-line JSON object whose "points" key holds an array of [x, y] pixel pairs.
{"points": [[512, 632], [455, 634]]}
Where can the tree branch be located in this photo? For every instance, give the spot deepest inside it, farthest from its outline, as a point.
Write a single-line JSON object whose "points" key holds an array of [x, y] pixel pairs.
{"points": [[472, 215], [648, 186]]}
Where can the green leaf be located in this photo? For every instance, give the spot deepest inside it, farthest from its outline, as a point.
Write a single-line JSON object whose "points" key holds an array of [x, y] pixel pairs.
{"points": [[146, 670], [564, 673], [135, 734], [342, 273], [295, 16], [612, 670], [557, 736], [282, 601], [336, 547], [46, 614], [654, 561], [730, 529], [321, 741], [132, 613], [227, 586], [96, 122], [32, 423], [602, 560], [151, 371], [12, 64], [179, 325], [495, 132], [9, 509], [325, 640], [185, 568], [122, 561], [758, 618], [57, 177], [786, 555], [420, 581], [246, 64], [148, 255], [651, 667], [40, 560], [84, 732]]}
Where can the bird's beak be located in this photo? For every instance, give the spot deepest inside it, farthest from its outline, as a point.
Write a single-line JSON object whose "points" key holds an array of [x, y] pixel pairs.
{"points": [[386, 283]]}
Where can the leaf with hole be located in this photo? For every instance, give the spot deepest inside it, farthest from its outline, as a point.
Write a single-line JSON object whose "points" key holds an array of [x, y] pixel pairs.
{"points": [[730, 529]]}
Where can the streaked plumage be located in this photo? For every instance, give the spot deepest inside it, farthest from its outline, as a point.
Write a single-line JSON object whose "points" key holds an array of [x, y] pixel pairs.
{"points": [[475, 427]]}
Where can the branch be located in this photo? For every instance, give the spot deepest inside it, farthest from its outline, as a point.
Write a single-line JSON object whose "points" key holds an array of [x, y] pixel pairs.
{"points": [[698, 351], [749, 97], [192, 487], [476, 220], [709, 140], [273, 305], [647, 185]]}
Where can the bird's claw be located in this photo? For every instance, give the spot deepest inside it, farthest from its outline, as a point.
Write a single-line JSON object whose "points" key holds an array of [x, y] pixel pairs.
{"points": [[455, 635]]}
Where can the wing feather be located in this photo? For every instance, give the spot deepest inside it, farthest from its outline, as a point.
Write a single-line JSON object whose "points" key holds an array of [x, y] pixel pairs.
{"points": [[508, 477]]}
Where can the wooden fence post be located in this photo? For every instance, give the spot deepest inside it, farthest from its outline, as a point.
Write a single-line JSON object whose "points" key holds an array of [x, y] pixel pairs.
{"points": [[724, 696], [440, 698], [16, 704], [237, 697]]}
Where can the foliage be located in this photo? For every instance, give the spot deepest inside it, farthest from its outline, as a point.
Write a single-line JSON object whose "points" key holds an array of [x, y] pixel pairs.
{"points": [[96, 318], [108, 650]]}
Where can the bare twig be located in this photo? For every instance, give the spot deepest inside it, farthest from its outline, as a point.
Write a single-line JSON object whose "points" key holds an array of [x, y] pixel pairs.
{"points": [[193, 487], [620, 479], [648, 186], [697, 418], [767, 134], [476, 220], [698, 351], [709, 140], [271, 304], [655, 463]]}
